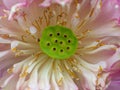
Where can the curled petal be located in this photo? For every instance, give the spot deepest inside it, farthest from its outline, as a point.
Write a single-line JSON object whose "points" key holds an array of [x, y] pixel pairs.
{"points": [[115, 82], [47, 3], [11, 3]]}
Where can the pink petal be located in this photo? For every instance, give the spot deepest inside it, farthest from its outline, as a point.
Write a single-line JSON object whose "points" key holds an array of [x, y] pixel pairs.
{"points": [[105, 21], [2, 7], [101, 54], [115, 83], [10, 3], [47, 3], [113, 60]]}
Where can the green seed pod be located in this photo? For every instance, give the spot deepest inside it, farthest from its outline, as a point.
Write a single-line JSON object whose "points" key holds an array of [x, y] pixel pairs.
{"points": [[58, 42]]}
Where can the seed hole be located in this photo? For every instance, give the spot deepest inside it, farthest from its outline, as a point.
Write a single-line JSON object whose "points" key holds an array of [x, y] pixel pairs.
{"points": [[56, 41], [50, 34], [65, 36], [61, 42], [54, 49], [69, 41], [58, 34], [38, 40], [48, 44], [61, 50], [68, 48]]}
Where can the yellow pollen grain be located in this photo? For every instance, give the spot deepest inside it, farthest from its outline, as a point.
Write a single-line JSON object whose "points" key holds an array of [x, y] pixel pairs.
{"points": [[23, 37], [24, 15], [100, 44], [27, 31], [28, 88], [24, 74], [93, 47], [60, 81], [81, 24], [37, 54], [77, 15], [14, 49], [91, 12], [46, 16], [86, 31], [10, 70], [100, 68], [114, 48], [99, 71], [60, 20], [97, 46], [25, 68], [100, 3], [76, 2], [81, 37], [72, 74], [37, 23], [60, 67], [77, 79], [18, 53], [5, 36]]}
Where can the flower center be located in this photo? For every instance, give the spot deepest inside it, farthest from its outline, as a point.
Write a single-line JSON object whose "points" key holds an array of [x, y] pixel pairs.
{"points": [[58, 42]]}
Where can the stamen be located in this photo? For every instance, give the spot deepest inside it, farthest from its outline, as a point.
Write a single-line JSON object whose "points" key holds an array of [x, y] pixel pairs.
{"points": [[24, 72], [5, 36], [87, 18]]}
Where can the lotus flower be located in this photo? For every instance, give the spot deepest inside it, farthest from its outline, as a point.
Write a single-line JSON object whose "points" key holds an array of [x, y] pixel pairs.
{"points": [[59, 44]]}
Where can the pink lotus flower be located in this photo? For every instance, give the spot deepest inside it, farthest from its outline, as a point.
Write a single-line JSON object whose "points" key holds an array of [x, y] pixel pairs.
{"points": [[59, 44]]}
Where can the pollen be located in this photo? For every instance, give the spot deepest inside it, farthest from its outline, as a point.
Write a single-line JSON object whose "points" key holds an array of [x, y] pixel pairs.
{"points": [[10, 70], [58, 42]]}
